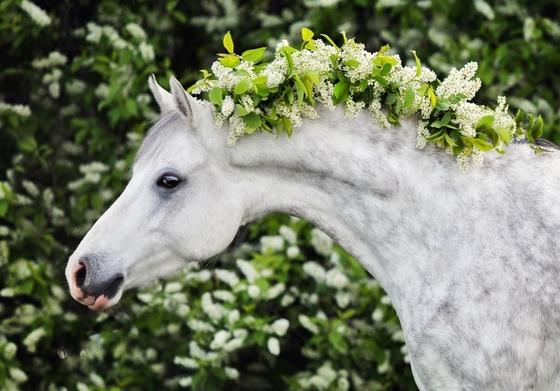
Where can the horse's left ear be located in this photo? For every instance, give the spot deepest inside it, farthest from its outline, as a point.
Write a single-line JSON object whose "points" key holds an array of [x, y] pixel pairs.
{"points": [[163, 98], [183, 101]]}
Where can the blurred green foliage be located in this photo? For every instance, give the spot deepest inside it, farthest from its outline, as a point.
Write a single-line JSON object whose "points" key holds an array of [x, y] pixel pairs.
{"points": [[73, 110]]}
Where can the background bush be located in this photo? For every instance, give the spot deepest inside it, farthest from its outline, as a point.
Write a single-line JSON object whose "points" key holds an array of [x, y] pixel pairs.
{"points": [[285, 310]]}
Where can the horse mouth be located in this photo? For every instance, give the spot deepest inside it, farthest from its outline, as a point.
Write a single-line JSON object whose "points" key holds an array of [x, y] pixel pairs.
{"points": [[109, 297]]}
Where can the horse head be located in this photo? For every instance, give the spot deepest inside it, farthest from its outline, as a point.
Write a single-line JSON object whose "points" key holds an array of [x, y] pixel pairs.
{"points": [[180, 206]]}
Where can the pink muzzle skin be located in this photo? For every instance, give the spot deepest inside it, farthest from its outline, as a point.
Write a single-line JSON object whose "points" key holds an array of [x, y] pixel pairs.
{"points": [[92, 302]]}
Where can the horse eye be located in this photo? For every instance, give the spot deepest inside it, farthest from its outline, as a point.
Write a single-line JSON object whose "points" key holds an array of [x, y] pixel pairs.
{"points": [[168, 181]]}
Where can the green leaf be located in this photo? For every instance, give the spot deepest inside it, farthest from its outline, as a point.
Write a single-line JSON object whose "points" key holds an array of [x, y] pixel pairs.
{"points": [[215, 96], [351, 63], [253, 55], [418, 63], [449, 140], [478, 143], [230, 61], [537, 128], [381, 80], [287, 125], [341, 92], [386, 69], [330, 40], [253, 120], [242, 86], [433, 98], [504, 134], [484, 124], [409, 97], [519, 117], [241, 73], [228, 42], [306, 34], [3, 208], [240, 110]]}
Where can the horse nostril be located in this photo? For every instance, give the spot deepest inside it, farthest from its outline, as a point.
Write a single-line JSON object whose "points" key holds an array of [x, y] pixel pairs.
{"points": [[113, 288], [81, 275]]}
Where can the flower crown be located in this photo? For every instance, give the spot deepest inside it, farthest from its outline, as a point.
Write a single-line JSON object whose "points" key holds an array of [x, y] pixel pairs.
{"points": [[254, 95]]}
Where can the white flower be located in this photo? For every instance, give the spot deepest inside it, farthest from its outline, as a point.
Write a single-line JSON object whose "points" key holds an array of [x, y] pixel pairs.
{"points": [[336, 279], [227, 276], [315, 270], [248, 270], [292, 252], [185, 381], [280, 326], [224, 295], [233, 344], [33, 337], [18, 375], [231, 373], [136, 31], [327, 372], [172, 287], [10, 351], [228, 106], [275, 291], [220, 338], [54, 59], [273, 346], [308, 324], [288, 234], [198, 325], [342, 299], [271, 244], [386, 300], [146, 51], [342, 384], [20, 110], [377, 315], [254, 291], [39, 16], [321, 242], [234, 316]]}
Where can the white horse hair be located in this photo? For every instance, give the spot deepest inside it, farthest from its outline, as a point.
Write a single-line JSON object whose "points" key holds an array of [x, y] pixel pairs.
{"points": [[470, 260]]}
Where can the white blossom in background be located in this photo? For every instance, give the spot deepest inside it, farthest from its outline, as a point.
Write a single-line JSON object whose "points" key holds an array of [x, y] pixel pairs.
{"points": [[336, 279], [220, 338], [10, 350], [275, 291], [308, 324], [146, 51], [254, 291], [342, 299], [377, 315], [32, 338], [278, 327], [321, 242], [271, 244], [248, 270], [315, 270], [39, 16], [224, 295], [19, 110], [289, 235], [185, 381], [231, 373], [273, 346], [17, 375], [293, 252], [136, 31]]}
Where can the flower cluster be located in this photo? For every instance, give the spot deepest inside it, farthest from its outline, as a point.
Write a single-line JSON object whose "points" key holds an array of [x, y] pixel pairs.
{"points": [[276, 96]]}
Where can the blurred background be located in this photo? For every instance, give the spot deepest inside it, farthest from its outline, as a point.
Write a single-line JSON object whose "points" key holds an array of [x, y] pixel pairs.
{"points": [[286, 309]]}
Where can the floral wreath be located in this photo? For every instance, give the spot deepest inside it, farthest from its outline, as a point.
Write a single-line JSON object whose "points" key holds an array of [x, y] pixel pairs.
{"points": [[254, 95]]}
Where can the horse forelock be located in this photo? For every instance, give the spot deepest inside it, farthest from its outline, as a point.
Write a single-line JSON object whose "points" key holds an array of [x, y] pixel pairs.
{"points": [[160, 133]]}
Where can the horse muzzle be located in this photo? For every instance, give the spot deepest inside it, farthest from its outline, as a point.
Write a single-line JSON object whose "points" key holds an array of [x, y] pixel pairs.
{"points": [[93, 282]]}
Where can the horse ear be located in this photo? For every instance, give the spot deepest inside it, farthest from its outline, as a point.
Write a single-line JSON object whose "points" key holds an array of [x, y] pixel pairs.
{"points": [[163, 98], [183, 101]]}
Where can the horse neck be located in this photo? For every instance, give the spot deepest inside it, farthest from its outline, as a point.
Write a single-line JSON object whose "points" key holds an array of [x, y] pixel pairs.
{"points": [[362, 185]]}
